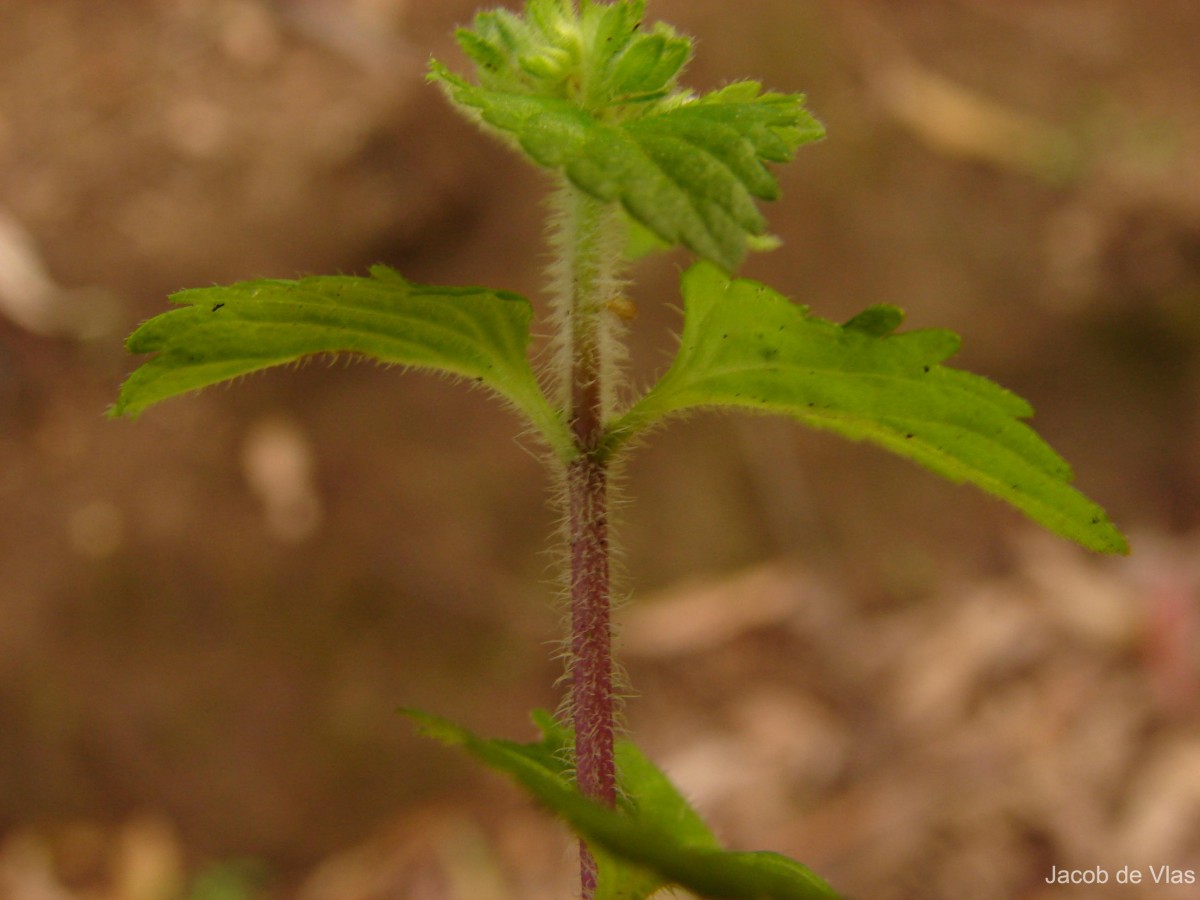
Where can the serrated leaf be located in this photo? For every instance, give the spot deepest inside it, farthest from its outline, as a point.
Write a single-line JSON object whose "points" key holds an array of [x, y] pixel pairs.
{"points": [[482, 52], [647, 793], [221, 333], [689, 169], [646, 65], [744, 345], [690, 173], [655, 840], [548, 15]]}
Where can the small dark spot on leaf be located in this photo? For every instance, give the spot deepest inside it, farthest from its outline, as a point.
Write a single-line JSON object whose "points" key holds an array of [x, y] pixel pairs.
{"points": [[217, 306], [925, 368], [908, 436]]}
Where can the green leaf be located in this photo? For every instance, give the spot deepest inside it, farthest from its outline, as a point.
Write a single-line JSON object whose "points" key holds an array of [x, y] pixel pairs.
{"points": [[744, 345], [646, 66], [647, 793], [653, 840], [220, 333], [594, 96]]}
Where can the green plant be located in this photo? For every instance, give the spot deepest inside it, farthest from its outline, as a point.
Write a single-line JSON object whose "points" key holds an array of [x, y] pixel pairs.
{"points": [[590, 92]]}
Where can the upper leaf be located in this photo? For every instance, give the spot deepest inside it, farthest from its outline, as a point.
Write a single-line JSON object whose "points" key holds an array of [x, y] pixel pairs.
{"points": [[223, 332], [744, 345], [656, 839], [598, 57], [593, 95]]}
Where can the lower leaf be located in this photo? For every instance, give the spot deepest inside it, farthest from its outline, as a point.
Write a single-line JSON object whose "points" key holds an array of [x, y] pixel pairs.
{"points": [[653, 840]]}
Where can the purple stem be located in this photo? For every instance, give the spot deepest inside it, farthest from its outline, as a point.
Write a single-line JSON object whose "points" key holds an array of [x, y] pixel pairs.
{"points": [[592, 701], [591, 645]]}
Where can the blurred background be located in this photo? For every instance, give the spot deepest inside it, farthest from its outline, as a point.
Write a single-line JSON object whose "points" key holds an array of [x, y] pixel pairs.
{"points": [[209, 616]]}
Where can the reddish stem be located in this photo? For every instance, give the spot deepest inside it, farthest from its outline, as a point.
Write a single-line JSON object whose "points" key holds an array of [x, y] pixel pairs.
{"points": [[591, 644], [590, 254]]}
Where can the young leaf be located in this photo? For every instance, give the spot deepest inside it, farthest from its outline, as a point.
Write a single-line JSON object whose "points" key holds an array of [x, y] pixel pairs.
{"points": [[592, 57], [640, 849], [744, 345], [223, 332], [688, 169]]}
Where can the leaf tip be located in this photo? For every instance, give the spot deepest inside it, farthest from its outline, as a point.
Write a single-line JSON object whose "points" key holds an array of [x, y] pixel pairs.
{"points": [[127, 405], [435, 727], [1109, 539]]}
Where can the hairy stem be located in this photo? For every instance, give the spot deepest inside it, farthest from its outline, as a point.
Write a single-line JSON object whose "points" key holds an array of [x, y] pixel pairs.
{"points": [[591, 643], [586, 276]]}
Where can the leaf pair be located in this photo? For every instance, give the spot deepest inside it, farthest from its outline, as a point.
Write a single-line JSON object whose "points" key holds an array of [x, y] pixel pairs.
{"points": [[654, 840], [743, 345]]}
